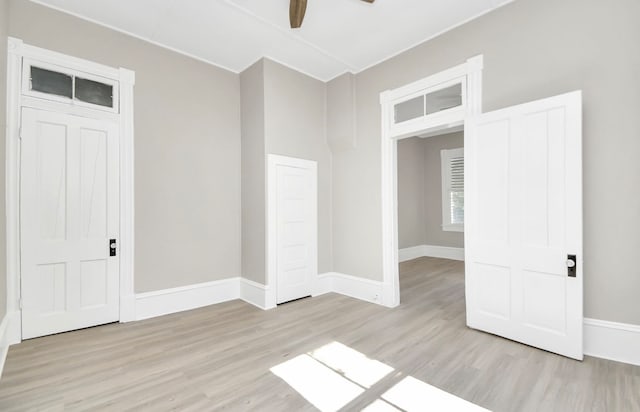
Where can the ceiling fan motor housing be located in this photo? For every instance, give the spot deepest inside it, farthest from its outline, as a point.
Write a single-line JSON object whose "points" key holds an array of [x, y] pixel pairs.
{"points": [[297, 9]]}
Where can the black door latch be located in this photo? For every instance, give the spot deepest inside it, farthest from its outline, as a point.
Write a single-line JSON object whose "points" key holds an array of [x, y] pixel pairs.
{"points": [[571, 266], [113, 244]]}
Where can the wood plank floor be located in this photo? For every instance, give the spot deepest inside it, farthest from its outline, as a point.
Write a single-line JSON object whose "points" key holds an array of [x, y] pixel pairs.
{"points": [[219, 357]]}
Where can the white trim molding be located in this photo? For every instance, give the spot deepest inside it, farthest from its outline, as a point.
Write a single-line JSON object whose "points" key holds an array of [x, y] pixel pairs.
{"points": [[618, 342], [471, 71], [12, 173], [323, 284], [352, 286], [9, 335], [4, 346], [125, 80], [443, 252], [167, 301], [127, 199], [255, 294]]}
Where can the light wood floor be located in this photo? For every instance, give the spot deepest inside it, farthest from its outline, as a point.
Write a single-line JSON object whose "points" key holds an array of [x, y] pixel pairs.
{"points": [[218, 358]]}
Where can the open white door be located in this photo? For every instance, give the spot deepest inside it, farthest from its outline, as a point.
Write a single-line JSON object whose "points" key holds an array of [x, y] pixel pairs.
{"points": [[293, 227], [69, 211], [524, 223]]}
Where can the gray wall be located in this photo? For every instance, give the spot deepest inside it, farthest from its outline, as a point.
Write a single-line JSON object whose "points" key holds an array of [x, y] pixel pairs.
{"points": [[284, 113], [341, 107], [187, 148], [411, 192], [420, 191], [188, 137], [532, 49], [295, 126], [4, 29], [253, 173]]}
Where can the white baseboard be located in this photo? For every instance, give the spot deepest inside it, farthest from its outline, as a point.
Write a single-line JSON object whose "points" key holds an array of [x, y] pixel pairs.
{"points": [[10, 334], [14, 328], [411, 253], [443, 252], [254, 293], [323, 284], [611, 340], [164, 302], [602, 339], [4, 346], [127, 308], [355, 287]]}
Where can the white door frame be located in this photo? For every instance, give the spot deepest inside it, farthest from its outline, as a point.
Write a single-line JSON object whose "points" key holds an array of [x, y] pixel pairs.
{"points": [[273, 161], [471, 73], [17, 51]]}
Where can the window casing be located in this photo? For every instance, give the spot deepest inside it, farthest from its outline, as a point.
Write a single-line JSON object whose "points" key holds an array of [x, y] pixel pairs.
{"points": [[452, 190]]}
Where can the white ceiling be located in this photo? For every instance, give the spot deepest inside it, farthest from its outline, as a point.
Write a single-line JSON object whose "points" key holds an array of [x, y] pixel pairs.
{"points": [[337, 36]]}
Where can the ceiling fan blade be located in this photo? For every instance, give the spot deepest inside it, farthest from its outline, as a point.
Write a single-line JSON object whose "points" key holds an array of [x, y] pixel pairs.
{"points": [[369, 1], [297, 8]]}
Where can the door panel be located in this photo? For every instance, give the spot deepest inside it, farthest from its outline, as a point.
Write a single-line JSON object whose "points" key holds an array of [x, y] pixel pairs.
{"points": [[94, 287], [51, 181], [93, 182], [494, 292], [296, 226], [69, 211], [524, 216], [543, 301]]}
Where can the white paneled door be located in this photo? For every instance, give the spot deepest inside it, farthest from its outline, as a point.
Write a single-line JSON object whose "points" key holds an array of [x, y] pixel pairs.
{"points": [[293, 209], [69, 195], [524, 272]]}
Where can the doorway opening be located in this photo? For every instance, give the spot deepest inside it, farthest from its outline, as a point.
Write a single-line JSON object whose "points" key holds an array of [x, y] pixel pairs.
{"points": [[431, 196], [439, 104], [522, 192]]}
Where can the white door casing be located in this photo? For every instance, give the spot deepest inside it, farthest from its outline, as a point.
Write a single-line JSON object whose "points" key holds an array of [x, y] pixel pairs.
{"points": [[18, 51], [523, 217], [471, 74], [292, 228], [70, 208]]}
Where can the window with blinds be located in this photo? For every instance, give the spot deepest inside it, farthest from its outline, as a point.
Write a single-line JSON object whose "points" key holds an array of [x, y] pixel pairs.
{"points": [[453, 190]]}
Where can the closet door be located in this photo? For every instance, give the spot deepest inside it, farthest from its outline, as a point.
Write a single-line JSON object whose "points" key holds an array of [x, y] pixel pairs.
{"points": [[293, 226]]}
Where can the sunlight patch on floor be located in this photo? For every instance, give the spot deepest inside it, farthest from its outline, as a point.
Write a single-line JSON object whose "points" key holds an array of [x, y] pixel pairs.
{"points": [[381, 406], [352, 364], [322, 387], [334, 375], [411, 394]]}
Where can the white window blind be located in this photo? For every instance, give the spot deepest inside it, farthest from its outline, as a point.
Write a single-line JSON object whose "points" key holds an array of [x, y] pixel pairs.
{"points": [[453, 190]]}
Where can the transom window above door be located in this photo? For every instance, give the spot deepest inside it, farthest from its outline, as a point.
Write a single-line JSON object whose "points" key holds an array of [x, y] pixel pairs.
{"points": [[430, 103], [46, 81], [440, 105]]}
